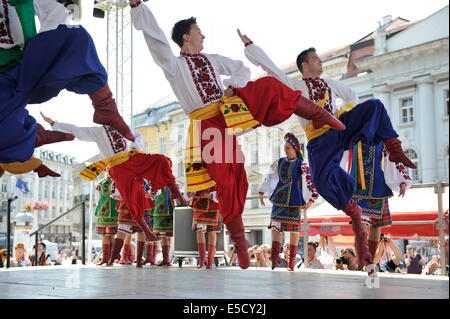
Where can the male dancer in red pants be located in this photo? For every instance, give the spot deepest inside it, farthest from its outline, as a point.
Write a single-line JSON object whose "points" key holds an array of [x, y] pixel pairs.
{"points": [[195, 78]]}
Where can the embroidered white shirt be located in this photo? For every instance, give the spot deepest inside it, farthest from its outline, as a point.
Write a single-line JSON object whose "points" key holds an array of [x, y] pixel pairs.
{"points": [[338, 90], [195, 78], [50, 13], [109, 141]]}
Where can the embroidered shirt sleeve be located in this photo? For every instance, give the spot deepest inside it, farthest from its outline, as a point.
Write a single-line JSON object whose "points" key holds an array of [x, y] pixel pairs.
{"points": [[51, 14], [259, 58], [139, 143], [144, 20], [239, 74], [271, 180], [309, 190], [395, 174], [86, 134], [343, 91]]}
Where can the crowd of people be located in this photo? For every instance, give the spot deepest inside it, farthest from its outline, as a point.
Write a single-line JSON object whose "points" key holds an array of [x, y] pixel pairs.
{"points": [[388, 258]]}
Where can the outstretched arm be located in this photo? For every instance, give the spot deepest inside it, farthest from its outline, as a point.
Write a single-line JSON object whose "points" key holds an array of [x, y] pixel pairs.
{"points": [[259, 58], [144, 20], [87, 134]]}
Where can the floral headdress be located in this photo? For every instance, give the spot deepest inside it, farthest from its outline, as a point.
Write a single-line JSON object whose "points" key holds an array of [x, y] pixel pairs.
{"points": [[292, 139]]}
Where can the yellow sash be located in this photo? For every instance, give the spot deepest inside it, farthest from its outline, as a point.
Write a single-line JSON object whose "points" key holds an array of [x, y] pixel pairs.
{"points": [[312, 133], [94, 170], [20, 167], [237, 118]]}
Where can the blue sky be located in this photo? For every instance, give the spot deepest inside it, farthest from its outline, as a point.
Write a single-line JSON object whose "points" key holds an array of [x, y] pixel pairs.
{"points": [[283, 28]]}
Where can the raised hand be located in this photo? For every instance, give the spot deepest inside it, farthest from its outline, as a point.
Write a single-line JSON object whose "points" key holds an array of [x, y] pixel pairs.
{"points": [[245, 39], [47, 119]]}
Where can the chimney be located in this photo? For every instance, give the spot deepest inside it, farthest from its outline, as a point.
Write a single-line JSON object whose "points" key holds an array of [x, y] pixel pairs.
{"points": [[387, 19]]}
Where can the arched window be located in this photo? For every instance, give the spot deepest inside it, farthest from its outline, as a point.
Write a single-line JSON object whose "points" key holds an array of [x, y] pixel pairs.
{"points": [[413, 173]]}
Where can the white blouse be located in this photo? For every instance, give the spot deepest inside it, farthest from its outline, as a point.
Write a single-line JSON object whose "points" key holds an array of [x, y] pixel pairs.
{"points": [[50, 13], [109, 141], [338, 90], [270, 183], [195, 78]]}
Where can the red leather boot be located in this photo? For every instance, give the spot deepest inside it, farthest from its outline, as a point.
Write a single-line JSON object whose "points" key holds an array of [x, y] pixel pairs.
{"points": [[149, 255], [201, 255], [155, 252], [396, 154], [115, 255], [354, 212], [44, 137], [292, 254], [44, 171], [106, 249], [139, 254], [275, 254], [125, 260], [320, 117], [166, 258], [106, 112], [211, 255], [237, 235]]}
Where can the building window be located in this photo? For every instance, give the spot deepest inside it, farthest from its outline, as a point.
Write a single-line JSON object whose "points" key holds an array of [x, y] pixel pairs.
{"points": [[413, 173], [254, 153], [447, 103], [162, 146], [407, 110]]}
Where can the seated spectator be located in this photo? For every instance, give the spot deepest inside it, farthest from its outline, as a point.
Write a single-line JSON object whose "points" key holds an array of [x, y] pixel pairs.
{"points": [[414, 262], [257, 257], [43, 258], [20, 260], [433, 267], [313, 262], [347, 260], [394, 263]]}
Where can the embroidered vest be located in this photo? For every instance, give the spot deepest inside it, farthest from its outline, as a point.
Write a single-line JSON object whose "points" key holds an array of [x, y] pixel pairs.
{"points": [[288, 192]]}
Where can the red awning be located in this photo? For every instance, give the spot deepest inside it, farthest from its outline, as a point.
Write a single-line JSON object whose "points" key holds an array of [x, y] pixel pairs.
{"points": [[417, 205], [412, 230]]}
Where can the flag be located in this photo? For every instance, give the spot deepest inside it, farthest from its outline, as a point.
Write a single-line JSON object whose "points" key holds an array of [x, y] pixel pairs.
{"points": [[23, 186]]}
